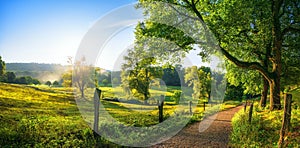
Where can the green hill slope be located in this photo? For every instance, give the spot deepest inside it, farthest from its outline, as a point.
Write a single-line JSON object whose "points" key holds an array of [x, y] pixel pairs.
{"points": [[39, 117], [43, 72]]}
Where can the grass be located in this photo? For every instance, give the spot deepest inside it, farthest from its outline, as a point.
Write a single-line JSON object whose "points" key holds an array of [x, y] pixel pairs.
{"points": [[265, 126], [42, 116]]}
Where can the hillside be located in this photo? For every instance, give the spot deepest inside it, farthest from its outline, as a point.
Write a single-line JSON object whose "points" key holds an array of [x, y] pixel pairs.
{"points": [[43, 72]]}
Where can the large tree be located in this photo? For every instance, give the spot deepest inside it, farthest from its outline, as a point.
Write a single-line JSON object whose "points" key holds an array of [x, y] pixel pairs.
{"points": [[138, 72], [250, 34], [145, 62]]}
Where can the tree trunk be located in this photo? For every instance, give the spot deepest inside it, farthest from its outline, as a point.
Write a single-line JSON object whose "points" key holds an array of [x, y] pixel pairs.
{"points": [[276, 59], [208, 100], [82, 93], [274, 95], [145, 98], [264, 94]]}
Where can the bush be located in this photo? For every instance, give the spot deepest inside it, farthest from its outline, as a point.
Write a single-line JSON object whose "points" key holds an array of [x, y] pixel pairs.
{"points": [[176, 96]]}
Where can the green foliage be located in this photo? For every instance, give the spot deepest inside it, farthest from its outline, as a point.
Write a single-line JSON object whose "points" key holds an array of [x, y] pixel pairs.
{"points": [[10, 77], [2, 67], [115, 81], [48, 83], [245, 134], [105, 82], [264, 128], [234, 93], [106, 75], [249, 80], [137, 73], [67, 79], [176, 96], [2, 70], [200, 79], [55, 83], [171, 76], [253, 38], [26, 80], [83, 75]]}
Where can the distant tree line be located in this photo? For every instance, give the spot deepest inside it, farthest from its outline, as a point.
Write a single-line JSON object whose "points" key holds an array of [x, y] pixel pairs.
{"points": [[10, 77]]}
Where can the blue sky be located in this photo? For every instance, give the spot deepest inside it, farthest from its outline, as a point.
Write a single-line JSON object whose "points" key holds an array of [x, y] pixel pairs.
{"points": [[48, 31]]}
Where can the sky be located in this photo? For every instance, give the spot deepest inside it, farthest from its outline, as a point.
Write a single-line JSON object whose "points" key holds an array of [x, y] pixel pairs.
{"points": [[48, 31]]}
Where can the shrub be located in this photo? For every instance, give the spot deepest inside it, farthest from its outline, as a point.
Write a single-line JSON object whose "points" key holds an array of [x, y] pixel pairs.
{"points": [[176, 96]]}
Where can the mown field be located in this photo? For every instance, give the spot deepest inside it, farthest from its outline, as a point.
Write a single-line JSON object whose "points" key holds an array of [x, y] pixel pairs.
{"points": [[40, 116], [265, 127]]}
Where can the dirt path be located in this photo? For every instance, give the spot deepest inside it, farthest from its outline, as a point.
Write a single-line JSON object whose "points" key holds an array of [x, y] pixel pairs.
{"points": [[216, 135]]}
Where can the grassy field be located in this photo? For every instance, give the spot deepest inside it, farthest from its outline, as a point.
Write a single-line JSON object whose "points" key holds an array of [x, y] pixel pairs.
{"points": [[40, 116], [265, 127]]}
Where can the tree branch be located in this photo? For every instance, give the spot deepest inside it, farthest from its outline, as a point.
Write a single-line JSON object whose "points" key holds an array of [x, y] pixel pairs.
{"points": [[194, 18], [248, 65]]}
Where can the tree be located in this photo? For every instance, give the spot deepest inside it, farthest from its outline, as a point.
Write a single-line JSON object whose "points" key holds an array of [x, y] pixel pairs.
{"points": [[67, 79], [171, 75], [2, 69], [10, 77], [253, 41], [143, 64], [105, 82], [35, 82], [48, 83], [234, 92], [200, 79], [83, 75], [115, 81], [55, 83], [137, 74]]}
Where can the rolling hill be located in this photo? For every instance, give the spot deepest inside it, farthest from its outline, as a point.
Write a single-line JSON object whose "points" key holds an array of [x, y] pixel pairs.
{"points": [[42, 72]]}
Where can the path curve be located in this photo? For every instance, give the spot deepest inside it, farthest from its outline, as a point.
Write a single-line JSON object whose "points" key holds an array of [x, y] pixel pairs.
{"points": [[216, 135]]}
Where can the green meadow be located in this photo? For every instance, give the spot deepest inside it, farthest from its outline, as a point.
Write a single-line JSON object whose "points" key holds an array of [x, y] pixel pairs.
{"points": [[42, 116]]}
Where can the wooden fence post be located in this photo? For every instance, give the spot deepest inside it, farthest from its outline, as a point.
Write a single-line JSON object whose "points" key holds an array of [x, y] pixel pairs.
{"points": [[250, 112], [97, 95], [160, 108], [204, 106], [286, 118]]}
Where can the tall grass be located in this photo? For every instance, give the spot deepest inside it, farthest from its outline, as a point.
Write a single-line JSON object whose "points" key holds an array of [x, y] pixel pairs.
{"points": [[264, 129]]}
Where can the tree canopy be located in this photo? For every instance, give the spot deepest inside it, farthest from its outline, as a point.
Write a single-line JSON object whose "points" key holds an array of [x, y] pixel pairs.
{"points": [[258, 39]]}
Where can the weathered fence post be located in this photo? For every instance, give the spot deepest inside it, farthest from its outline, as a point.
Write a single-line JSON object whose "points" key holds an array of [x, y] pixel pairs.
{"points": [[250, 112], [97, 95], [160, 108], [191, 111], [286, 118]]}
